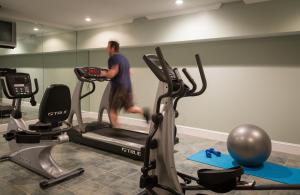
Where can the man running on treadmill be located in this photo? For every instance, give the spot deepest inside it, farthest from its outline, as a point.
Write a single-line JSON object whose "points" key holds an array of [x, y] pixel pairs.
{"points": [[121, 89]]}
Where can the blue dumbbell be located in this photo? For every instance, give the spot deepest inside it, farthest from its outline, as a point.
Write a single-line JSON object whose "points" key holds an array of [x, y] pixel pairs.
{"points": [[213, 151], [208, 154]]}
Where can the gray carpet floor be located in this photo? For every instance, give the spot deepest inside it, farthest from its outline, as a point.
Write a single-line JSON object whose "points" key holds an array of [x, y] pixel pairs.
{"points": [[111, 174]]}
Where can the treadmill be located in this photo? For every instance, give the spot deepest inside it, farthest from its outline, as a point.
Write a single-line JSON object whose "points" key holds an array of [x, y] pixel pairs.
{"points": [[5, 110], [100, 134]]}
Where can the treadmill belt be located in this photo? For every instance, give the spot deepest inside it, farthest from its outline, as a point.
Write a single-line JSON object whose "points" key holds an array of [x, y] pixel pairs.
{"points": [[121, 134]]}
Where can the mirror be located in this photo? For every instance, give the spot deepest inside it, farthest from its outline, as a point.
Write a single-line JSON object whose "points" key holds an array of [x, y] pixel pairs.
{"points": [[46, 53]]}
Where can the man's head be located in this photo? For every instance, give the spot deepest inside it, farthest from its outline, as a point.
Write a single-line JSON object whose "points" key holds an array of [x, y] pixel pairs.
{"points": [[113, 47]]}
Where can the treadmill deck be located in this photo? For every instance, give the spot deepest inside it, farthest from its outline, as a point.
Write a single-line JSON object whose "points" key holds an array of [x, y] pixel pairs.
{"points": [[130, 143], [120, 134]]}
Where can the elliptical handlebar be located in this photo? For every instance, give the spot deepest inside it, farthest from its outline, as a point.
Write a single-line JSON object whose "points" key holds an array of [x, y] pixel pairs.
{"points": [[36, 85], [179, 84], [191, 80], [202, 75], [5, 90], [27, 95], [177, 74], [176, 86], [165, 70], [192, 92]]}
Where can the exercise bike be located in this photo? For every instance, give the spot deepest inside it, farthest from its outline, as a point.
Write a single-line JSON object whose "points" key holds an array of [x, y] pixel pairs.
{"points": [[31, 145], [159, 174]]}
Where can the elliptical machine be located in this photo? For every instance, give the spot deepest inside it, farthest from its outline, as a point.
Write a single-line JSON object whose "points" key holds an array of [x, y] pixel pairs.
{"points": [[31, 146], [159, 174]]}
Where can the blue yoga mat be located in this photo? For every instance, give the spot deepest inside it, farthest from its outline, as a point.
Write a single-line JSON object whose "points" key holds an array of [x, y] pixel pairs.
{"points": [[271, 171]]}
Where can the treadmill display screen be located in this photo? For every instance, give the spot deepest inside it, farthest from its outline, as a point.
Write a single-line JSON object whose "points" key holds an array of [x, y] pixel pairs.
{"points": [[89, 72], [93, 71]]}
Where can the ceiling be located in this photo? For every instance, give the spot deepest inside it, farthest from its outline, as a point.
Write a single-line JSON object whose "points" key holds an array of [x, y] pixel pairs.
{"points": [[71, 14], [25, 29]]}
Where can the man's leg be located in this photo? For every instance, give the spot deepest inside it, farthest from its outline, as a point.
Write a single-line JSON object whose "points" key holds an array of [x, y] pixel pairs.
{"points": [[136, 109], [131, 108], [114, 118]]}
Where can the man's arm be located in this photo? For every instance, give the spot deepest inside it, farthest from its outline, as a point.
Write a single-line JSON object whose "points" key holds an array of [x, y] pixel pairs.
{"points": [[112, 72]]}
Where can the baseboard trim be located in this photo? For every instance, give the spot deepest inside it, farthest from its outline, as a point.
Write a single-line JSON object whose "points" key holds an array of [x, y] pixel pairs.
{"points": [[9, 101], [202, 133], [277, 146]]}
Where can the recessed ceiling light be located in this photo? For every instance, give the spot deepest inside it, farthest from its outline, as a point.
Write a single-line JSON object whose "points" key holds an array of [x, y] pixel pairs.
{"points": [[179, 2], [88, 19], [36, 29]]}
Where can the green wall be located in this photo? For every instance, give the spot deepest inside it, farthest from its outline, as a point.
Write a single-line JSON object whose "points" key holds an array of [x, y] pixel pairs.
{"points": [[231, 21], [249, 81], [53, 68], [32, 64]]}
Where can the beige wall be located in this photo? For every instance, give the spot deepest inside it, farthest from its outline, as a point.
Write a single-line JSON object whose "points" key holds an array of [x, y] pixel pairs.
{"points": [[32, 64], [53, 68], [57, 42], [249, 81], [28, 45], [233, 20]]}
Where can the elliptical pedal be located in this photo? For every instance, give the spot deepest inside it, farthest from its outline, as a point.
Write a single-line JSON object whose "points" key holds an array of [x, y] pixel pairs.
{"points": [[220, 181]]}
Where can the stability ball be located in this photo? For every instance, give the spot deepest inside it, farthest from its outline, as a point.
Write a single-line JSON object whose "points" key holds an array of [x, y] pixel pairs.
{"points": [[249, 145]]}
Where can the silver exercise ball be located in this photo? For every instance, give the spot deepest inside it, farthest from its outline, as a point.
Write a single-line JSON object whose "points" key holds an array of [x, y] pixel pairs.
{"points": [[249, 145]]}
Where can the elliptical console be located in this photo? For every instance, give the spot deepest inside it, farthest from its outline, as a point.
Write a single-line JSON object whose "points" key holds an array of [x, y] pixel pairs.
{"points": [[19, 85]]}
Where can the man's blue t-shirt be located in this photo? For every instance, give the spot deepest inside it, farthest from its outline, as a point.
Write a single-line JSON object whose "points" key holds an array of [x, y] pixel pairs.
{"points": [[122, 79]]}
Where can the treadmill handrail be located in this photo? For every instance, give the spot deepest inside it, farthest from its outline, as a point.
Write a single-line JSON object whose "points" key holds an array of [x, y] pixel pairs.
{"points": [[91, 91]]}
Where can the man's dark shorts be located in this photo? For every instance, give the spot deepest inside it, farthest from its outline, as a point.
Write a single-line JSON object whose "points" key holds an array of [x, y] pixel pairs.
{"points": [[120, 98]]}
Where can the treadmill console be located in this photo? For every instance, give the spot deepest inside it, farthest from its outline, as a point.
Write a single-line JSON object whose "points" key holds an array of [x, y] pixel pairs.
{"points": [[19, 84], [89, 73]]}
